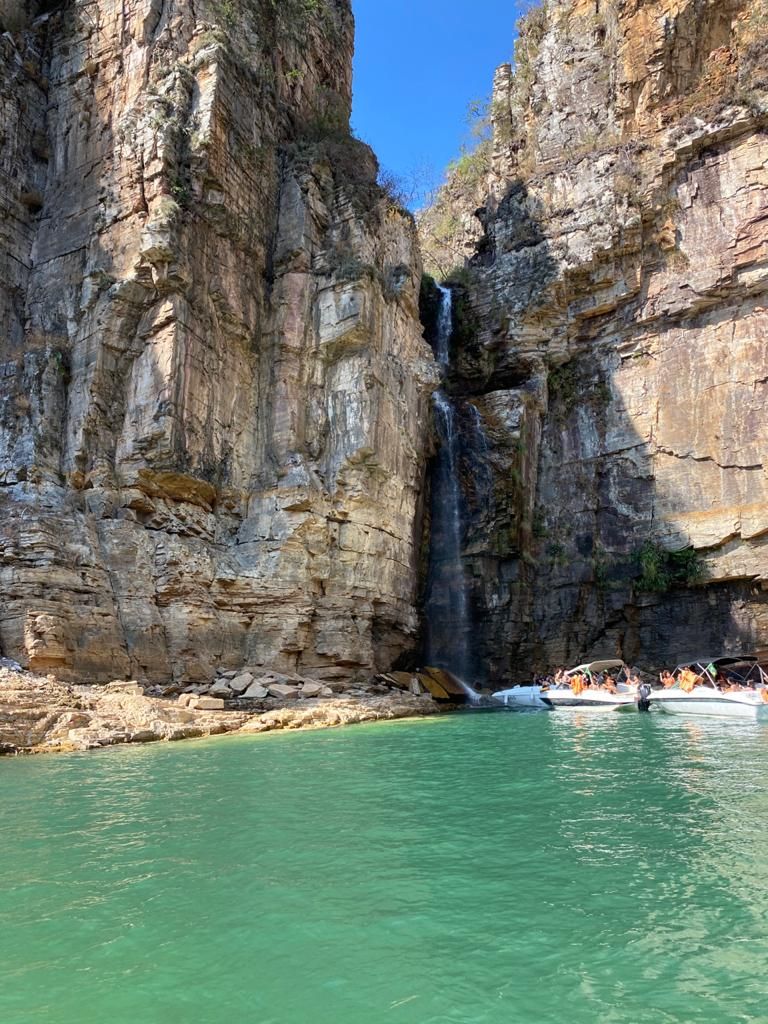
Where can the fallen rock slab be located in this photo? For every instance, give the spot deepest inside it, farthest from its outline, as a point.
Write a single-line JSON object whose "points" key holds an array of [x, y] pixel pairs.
{"points": [[129, 688], [41, 715], [256, 692], [240, 683], [284, 691], [446, 680], [220, 689], [310, 689], [207, 704]]}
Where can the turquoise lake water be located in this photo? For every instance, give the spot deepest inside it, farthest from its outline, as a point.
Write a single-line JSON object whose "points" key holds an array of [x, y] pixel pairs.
{"points": [[476, 869]]}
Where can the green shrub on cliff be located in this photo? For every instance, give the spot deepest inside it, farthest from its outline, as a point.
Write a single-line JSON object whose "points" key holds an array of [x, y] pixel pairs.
{"points": [[290, 15], [471, 168], [448, 227], [660, 570]]}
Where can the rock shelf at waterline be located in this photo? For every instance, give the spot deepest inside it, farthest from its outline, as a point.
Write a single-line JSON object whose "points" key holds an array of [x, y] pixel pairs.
{"points": [[41, 715]]}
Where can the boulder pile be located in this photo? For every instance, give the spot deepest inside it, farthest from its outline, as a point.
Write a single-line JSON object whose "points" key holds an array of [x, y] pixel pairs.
{"points": [[41, 714]]}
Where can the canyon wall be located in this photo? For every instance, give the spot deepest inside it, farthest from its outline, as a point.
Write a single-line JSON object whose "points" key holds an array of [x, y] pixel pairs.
{"points": [[213, 382], [612, 337]]}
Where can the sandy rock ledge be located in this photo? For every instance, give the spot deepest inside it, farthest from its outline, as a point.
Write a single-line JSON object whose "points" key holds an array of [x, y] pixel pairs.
{"points": [[41, 715]]}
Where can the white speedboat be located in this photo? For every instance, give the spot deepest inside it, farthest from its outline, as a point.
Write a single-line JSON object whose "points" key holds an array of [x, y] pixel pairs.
{"points": [[584, 689], [725, 687], [522, 697]]}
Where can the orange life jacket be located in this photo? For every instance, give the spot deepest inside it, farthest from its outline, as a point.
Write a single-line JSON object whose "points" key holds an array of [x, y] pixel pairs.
{"points": [[578, 684], [688, 680]]}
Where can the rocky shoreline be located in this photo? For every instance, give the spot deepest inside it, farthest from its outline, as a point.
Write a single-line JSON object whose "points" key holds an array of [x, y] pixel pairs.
{"points": [[39, 714]]}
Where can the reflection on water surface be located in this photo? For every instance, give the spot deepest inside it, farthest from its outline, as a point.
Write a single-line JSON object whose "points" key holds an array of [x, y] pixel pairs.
{"points": [[490, 868]]}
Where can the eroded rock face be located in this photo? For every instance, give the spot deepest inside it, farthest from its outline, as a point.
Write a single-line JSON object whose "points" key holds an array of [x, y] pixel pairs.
{"points": [[616, 319], [214, 385]]}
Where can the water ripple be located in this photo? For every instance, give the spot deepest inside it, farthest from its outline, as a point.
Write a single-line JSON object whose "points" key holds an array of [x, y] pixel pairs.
{"points": [[482, 870]]}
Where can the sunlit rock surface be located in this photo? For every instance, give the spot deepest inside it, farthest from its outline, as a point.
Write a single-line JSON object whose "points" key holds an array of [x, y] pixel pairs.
{"points": [[613, 337], [43, 715], [214, 390]]}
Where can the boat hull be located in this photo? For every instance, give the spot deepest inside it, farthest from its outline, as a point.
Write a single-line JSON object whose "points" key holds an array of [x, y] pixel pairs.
{"points": [[596, 700], [705, 702], [524, 698]]}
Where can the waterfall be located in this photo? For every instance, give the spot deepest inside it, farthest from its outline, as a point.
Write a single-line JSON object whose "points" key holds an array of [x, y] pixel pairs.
{"points": [[444, 328], [449, 626]]}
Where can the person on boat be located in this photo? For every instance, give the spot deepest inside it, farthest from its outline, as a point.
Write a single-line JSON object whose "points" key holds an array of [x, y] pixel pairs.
{"points": [[666, 679], [560, 676], [609, 684], [764, 693], [578, 683], [688, 680], [643, 693]]}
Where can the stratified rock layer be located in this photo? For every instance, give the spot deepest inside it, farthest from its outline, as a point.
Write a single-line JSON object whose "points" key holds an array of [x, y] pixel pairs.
{"points": [[613, 339], [213, 382]]}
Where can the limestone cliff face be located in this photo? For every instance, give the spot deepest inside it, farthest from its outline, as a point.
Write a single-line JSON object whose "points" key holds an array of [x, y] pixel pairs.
{"points": [[215, 390], [613, 339]]}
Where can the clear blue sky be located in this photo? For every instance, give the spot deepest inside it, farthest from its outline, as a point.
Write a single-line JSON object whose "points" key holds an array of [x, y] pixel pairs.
{"points": [[418, 64]]}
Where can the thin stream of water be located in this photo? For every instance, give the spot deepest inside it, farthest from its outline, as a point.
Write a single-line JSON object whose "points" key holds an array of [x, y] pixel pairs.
{"points": [[447, 606]]}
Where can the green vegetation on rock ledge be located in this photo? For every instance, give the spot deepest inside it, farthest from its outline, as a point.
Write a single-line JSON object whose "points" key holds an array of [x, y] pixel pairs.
{"points": [[660, 569], [448, 236], [291, 14], [569, 386]]}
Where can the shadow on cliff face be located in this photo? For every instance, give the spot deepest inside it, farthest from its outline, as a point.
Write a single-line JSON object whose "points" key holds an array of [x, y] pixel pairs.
{"points": [[491, 388], [580, 547], [605, 574], [486, 355]]}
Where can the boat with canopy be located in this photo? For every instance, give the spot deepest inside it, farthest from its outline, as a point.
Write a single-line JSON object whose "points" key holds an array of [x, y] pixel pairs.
{"points": [[600, 685], [596, 684], [725, 687]]}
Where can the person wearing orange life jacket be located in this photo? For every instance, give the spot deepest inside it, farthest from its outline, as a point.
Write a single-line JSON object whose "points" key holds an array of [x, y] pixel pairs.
{"points": [[578, 684], [688, 680]]}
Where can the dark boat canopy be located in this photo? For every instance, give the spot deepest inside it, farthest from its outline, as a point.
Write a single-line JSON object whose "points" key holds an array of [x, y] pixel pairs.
{"points": [[720, 662], [744, 667]]}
